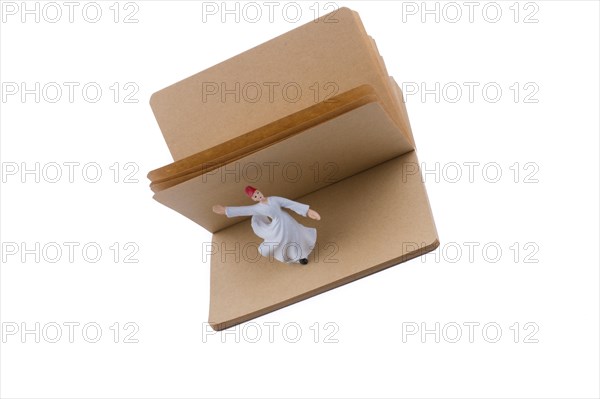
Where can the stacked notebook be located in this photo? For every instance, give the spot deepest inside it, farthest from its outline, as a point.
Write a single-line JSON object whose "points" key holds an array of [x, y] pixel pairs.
{"points": [[313, 116]]}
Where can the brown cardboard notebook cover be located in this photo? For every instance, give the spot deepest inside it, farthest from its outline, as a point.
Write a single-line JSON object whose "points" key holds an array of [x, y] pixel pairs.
{"points": [[353, 161], [293, 71]]}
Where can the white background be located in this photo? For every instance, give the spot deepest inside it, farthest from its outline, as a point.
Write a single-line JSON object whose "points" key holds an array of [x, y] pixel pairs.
{"points": [[548, 211]]}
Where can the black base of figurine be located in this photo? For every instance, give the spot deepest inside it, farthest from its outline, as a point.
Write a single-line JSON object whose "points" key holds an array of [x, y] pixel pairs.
{"points": [[304, 261]]}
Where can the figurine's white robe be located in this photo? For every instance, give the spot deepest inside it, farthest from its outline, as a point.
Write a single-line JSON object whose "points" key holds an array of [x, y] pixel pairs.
{"points": [[284, 238]]}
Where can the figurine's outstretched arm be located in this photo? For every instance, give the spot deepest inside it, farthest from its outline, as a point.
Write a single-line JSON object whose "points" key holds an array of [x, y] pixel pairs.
{"points": [[232, 211], [300, 209]]}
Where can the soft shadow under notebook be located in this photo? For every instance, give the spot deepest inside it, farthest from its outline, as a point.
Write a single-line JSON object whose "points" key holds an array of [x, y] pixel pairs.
{"points": [[350, 156]]}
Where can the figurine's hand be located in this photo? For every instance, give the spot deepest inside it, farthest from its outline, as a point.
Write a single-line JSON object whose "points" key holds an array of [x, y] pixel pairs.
{"points": [[313, 215], [220, 209]]}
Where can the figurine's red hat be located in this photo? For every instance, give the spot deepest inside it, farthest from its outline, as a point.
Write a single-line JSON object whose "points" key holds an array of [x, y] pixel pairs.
{"points": [[250, 191]]}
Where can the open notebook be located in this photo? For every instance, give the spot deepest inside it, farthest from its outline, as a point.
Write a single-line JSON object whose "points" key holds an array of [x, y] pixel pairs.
{"points": [[313, 116]]}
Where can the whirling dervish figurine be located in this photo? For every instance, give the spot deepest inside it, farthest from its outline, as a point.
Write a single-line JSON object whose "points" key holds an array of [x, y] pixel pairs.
{"points": [[284, 238]]}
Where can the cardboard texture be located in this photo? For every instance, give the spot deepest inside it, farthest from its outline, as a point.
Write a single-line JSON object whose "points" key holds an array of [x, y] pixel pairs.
{"points": [[371, 221], [232, 150], [344, 146], [322, 155], [316, 60]]}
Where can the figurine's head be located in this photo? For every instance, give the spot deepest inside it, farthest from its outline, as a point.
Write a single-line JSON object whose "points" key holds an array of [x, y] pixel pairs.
{"points": [[254, 193]]}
